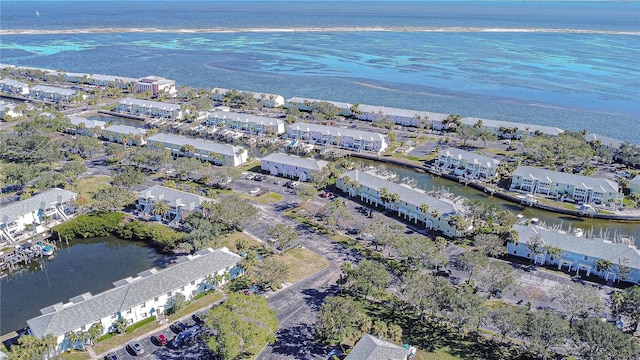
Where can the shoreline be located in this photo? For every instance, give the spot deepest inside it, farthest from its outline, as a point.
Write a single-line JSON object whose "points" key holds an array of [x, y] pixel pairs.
{"points": [[224, 30]]}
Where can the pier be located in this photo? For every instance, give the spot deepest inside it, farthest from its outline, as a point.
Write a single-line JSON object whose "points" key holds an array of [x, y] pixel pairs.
{"points": [[24, 253]]}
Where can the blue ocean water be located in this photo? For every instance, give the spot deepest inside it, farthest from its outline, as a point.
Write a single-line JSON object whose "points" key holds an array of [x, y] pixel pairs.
{"points": [[573, 65]]}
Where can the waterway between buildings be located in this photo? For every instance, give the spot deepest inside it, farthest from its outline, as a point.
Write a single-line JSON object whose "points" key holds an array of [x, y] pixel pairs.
{"points": [[85, 265], [429, 182]]}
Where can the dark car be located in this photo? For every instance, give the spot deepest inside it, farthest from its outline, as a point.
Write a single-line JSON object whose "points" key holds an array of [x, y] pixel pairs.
{"points": [[136, 347], [177, 327], [111, 356]]}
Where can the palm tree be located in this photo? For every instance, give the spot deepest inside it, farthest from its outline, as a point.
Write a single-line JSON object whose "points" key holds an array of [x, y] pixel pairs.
{"points": [[603, 265], [49, 344], [95, 331], [617, 299], [553, 252], [435, 214], [160, 207]]}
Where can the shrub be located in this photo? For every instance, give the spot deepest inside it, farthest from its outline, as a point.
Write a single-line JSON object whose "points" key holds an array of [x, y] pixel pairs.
{"points": [[131, 328], [90, 225]]}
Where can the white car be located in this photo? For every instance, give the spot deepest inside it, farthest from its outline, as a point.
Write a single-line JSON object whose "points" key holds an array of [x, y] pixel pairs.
{"points": [[254, 191]]}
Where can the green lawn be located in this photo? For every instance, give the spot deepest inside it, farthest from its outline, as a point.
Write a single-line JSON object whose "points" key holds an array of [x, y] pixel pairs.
{"points": [[301, 263], [90, 185]]}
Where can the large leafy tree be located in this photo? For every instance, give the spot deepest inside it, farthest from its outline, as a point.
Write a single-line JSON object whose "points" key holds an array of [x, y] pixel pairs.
{"points": [[368, 278], [578, 301], [243, 324], [231, 211], [113, 198], [545, 330], [283, 235], [599, 340], [630, 307], [340, 318]]}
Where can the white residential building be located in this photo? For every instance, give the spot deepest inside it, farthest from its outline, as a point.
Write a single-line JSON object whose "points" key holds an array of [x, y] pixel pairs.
{"points": [[266, 100], [156, 85], [219, 154], [291, 166], [634, 185], [14, 87], [467, 163], [136, 298], [85, 127], [413, 204], [8, 111], [578, 254], [118, 133], [564, 186], [149, 108], [352, 139], [511, 130], [35, 212], [119, 82], [398, 116], [247, 123], [180, 203], [51, 93]]}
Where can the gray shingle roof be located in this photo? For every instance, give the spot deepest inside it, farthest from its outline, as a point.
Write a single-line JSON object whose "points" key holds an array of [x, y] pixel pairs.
{"points": [[126, 130], [596, 248], [59, 319], [324, 129], [48, 197], [408, 113], [90, 124], [203, 145], [411, 196], [53, 90], [151, 104], [172, 195], [102, 77], [549, 130], [471, 156], [301, 100], [248, 117], [605, 140], [581, 181], [304, 163], [371, 348], [635, 180], [11, 82]]}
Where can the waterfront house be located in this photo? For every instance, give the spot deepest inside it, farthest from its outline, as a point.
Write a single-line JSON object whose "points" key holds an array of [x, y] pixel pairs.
{"points": [[306, 104], [634, 185], [51, 93], [584, 256], [411, 204], [564, 186], [121, 133], [370, 347], [8, 111], [403, 117], [119, 82], [251, 124], [266, 100], [136, 298], [180, 203], [469, 164], [219, 154], [511, 130], [14, 87], [291, 166], [149, 108], [32, 214], [352, 139], [156, 85], [607, 142], [85, 127]]}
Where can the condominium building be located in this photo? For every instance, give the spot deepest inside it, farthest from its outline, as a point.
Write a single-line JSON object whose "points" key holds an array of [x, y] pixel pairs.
{"points": [[136, 298], [51, 93], [252, 124], [180, 203], [578, 254], [467, 163], [291, 166], [266, 100], [85, 127], [563, 186], [149, 108], [306, 104], [352, 139], [155, 84], [219, 154], [14, 87], [123, 133], [511, 130], [412, 204], [33, 214]]}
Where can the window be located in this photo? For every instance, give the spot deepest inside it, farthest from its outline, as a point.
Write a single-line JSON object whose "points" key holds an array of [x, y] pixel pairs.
{"points": [[586, 257], [155, 299], [169, 294], [193, 282], [515, 252], [83, 328], [113, 316], [129, 311], [143, 304], [182, 288]]}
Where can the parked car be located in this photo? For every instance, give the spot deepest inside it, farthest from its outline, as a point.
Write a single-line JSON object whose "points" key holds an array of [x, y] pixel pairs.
{"points": [[293, 184], [327, 195], [136, 347], [254, 190], [159, 339], [177, 327], [111, 356]]}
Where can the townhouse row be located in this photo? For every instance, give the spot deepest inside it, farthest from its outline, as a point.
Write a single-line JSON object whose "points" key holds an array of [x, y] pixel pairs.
{"points": [[133, 299]]}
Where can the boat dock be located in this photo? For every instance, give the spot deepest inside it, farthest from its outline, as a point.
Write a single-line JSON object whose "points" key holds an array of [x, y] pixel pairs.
{"points": [[25, 253]]}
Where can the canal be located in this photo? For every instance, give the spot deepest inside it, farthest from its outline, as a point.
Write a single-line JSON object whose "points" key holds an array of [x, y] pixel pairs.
{"points": [[85, 265], [428, 182]]}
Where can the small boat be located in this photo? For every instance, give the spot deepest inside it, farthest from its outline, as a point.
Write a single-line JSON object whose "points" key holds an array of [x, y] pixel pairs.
{"points": [[37, 13], [534, 221], [47, 250], [578, 232]]}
